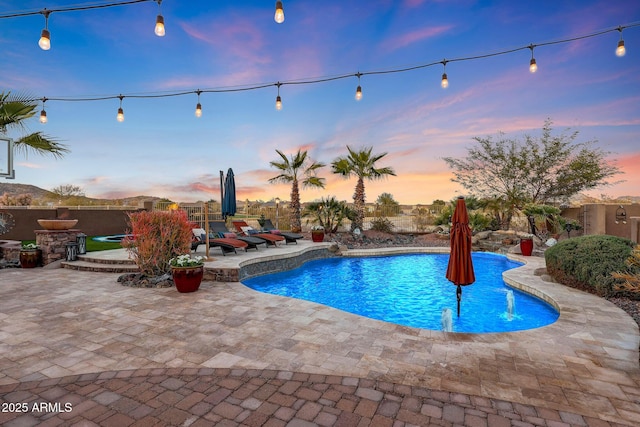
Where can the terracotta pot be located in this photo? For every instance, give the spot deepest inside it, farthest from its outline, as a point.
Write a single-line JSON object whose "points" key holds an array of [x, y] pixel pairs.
{"points": [[317, 235], [526, 246], [187, 279], [30, 258]]}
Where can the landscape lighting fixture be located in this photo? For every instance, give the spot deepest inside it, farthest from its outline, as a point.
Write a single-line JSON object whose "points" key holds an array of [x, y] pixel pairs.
{"points": [[198, 105], [620, 50], [45, 37], [445, 81], [359, 88], [278, 99], [533, 67], [279, 16], [43, 113], [120, 116], [159, 30]]}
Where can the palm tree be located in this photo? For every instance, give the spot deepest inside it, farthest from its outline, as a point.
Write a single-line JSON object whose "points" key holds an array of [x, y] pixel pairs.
{"points": [[14, 111], [363, 165], [293, 169]]}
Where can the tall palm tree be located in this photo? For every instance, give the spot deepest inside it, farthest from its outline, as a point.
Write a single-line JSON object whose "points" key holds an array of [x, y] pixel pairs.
{"points": [[363, 165], [14, 111], [293, 169]]}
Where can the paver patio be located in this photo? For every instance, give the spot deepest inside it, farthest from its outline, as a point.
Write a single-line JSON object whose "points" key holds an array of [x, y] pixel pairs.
{"points": [[227, 355]]}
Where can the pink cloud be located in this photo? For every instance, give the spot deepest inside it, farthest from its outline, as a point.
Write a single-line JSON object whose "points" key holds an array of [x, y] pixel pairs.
{"points": [[414, 37]]}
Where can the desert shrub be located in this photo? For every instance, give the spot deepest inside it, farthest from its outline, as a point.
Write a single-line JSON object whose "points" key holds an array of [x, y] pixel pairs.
{"points": [[382, 224], [587, 262], [158, 236], [631, 277]]}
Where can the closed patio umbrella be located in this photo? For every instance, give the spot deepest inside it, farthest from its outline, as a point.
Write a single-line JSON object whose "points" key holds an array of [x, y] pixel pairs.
{"points": [[460, 268], [229, 198]]}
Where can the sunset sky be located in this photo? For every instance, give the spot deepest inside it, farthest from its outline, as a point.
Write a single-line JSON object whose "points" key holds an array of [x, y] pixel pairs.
{"points": [[162, 149]]}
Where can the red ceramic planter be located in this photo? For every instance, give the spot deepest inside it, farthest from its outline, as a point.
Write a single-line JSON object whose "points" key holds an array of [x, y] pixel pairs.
{"points": [[526, 247], [187, 279], [317, 236]]}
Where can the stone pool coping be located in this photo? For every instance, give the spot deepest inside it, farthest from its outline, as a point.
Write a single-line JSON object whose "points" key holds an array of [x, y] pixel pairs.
{"points": [[605, 334]]}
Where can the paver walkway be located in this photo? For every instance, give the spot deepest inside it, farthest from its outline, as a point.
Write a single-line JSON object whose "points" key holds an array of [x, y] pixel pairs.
{"points": [[227, 355]]}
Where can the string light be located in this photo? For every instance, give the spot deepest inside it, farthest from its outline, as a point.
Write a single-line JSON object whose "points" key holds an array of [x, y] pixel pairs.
{"points": [[330, 78], [45, 36], [620, 50], [279, 16], [445, 81], [159, 30], [198, 105], [533, 67], [43, 113], [359, 88], [278, 99], [120, 116]]}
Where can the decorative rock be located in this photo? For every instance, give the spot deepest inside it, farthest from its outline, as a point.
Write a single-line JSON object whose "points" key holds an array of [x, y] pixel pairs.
{"points": [[139, 280]]}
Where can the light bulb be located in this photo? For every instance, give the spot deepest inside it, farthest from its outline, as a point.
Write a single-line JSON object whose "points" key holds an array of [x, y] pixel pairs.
{"points": [[120, 116], [620, 50], [278, 103], [159, 26], [45, 40], [43, 116], [198, 110], [533, 67], [445, 81], [279, 16], [358, 93]]}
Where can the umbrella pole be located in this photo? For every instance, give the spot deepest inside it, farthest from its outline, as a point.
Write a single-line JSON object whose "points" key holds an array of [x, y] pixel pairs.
{"points": [[206, 227], [459, 297]]}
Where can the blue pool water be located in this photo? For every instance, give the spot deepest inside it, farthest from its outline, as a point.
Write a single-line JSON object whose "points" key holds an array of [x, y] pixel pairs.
{"points": [[412, 290]]}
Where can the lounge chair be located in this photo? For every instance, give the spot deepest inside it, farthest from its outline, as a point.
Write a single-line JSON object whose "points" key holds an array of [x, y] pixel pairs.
{"points": [[219, 229], [289, 237], [226, 245], [244, 229]]}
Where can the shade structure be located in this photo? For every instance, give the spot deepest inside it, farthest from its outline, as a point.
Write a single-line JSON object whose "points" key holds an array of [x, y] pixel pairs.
{"points": [[460, 268], [229, 197]]}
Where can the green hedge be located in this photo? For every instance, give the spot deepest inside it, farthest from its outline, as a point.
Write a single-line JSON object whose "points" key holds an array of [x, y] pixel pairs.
{"points": [[587, 262]]}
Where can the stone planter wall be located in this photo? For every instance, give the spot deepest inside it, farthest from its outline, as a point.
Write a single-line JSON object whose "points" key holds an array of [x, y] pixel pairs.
{"points": [[53, 243]]}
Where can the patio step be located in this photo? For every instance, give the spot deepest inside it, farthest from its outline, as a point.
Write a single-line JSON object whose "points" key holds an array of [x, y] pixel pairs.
{"points": [[104, 265]]}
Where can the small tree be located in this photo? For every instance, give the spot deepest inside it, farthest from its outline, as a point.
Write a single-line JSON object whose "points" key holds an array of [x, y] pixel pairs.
{"points": [[157, 237], [328, 213], [542, 171], [68, 190]]}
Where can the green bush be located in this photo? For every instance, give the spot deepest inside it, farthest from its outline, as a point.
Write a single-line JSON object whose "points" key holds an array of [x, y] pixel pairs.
{"points": [[382, 224], [587, 262]]}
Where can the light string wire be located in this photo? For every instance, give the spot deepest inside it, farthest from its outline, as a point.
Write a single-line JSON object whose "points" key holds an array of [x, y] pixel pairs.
{"points": [[72, 8], [301, 81]]}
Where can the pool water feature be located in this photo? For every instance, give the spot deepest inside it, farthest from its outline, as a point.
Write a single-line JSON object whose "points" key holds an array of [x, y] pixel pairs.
{"points": [[116, 238], [412, 290]]}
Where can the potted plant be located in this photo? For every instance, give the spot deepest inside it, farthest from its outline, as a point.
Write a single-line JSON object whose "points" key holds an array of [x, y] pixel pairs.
{"points": [[317, 233], [187, 272], [30, 255], [261, 221], [526, 244]]}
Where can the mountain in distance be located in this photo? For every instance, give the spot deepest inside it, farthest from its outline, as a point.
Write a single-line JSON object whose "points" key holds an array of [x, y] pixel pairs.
{"points": [[41, 196]]}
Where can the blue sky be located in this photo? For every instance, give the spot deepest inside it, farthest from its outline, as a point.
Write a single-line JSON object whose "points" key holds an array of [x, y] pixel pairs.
{"points": [[162, 149]]}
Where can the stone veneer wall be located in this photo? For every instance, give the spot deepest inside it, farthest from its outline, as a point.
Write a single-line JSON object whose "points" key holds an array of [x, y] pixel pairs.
{"points": [[53, 243], [277, 264]]}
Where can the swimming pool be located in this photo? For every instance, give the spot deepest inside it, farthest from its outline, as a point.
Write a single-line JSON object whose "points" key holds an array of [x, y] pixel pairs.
{"points": [[412, 290]]}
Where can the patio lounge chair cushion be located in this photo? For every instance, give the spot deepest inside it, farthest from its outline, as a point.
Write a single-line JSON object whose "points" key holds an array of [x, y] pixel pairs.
{"points": [[243, 227], [225, 244], [289, 237], [219, 228]]}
